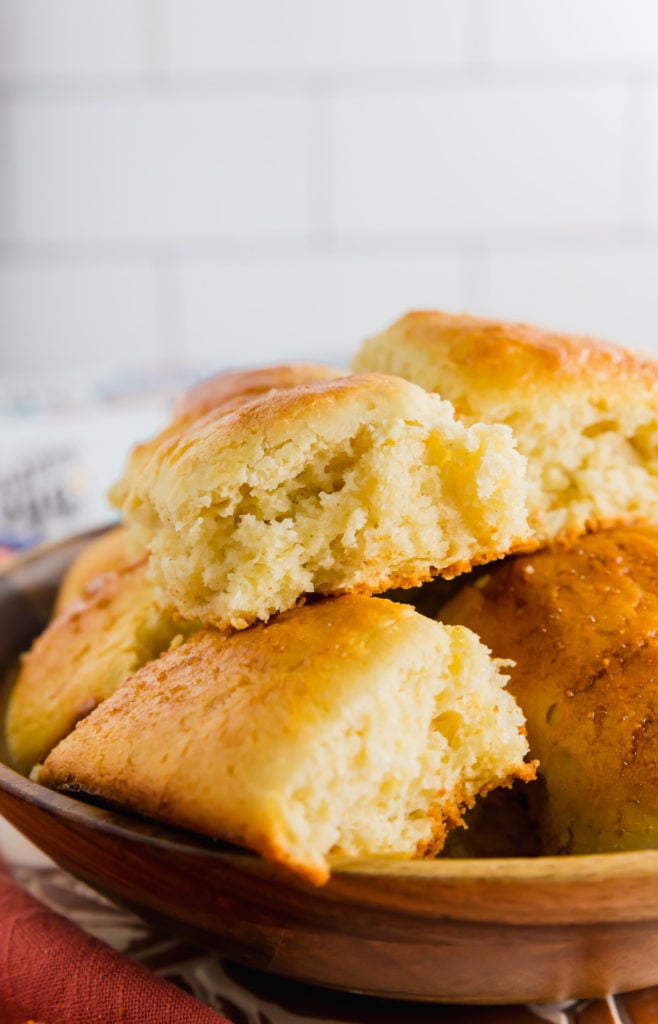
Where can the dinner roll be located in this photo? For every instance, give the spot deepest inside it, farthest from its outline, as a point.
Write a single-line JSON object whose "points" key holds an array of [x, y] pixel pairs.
{"points": [[218, 395], [82, 656], [103, 554], [227, 390], [353, 485], [581, 626], [584, 413], [351, 726]]}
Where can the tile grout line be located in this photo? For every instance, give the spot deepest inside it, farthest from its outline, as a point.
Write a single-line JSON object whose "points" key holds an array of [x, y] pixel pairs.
{"points": [[473, 73], [615, 238]]}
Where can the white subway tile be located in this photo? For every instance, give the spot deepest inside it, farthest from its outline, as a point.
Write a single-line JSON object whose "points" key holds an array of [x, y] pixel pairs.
{"points": [[69, 38], [610, 294], [153, 168], [58, 317], [318, 308], [477, 158], [528, 31], [206, 35]]}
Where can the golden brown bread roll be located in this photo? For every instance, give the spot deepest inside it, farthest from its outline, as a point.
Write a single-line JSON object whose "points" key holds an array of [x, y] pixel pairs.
{"points": [[351, 726], [81, 658], [106, 553], [582, 626], [584, 413], [216, 396], [353, 485], [227, 390]]}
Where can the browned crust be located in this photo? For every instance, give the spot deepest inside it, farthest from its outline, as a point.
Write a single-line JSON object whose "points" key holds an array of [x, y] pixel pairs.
{"points": [[569, 536], [579, 621], [274, 409], [107, 554], [513, 353], [227, 390]]}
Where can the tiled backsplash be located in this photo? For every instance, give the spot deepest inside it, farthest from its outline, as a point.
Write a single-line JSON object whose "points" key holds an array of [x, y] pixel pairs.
{"points": [[238, 181]]}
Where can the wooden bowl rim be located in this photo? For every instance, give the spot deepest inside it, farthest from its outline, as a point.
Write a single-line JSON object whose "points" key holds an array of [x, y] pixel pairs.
{"points": [[616, 867]]}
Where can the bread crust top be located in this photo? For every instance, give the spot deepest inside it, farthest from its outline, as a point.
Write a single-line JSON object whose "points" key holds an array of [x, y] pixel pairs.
{"points": [[497, 355], [217, 397], [228, 390], [299, 413]]}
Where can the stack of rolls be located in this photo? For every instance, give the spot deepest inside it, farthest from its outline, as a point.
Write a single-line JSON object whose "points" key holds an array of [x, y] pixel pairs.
{"points": [[230, 659], [577, 613]]}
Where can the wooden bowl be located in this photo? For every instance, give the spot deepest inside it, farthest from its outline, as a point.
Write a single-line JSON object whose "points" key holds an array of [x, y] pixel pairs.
{"points": [[470, 931]]}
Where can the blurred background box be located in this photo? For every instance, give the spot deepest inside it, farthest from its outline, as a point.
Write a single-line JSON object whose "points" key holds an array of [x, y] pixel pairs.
{"points": [[63, 441]]}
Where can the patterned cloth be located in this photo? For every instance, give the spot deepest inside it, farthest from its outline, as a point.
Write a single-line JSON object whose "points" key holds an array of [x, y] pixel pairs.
{"points": [[51, 971]]}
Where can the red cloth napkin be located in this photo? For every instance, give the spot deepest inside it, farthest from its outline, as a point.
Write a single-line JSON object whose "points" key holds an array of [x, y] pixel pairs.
{"points": [[51, 972]]}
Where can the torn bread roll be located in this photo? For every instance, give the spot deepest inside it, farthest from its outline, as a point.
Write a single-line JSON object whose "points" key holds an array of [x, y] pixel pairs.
{"points": [[216, 396], [358, 484], [584, 413], [82, 656], [352, 726]]}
